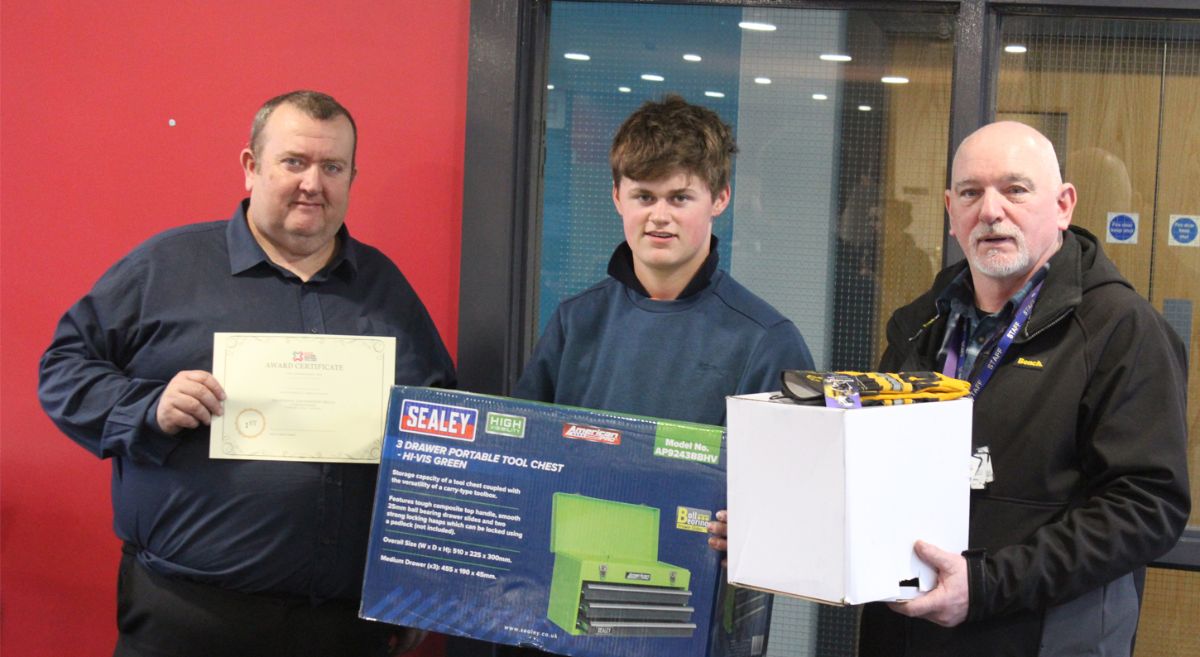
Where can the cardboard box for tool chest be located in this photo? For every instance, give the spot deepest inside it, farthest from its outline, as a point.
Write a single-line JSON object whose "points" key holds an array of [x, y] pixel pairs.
{"points": [[579, 532], [826, 503]]}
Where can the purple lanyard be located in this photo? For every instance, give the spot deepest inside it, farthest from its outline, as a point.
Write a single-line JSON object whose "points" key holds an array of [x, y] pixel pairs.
{"points": [[1006, 340]]}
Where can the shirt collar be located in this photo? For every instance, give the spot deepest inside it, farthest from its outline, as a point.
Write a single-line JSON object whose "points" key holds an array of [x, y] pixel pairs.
{"points": [[245, 252], [959, 295], [620, 267], [969, 330]]}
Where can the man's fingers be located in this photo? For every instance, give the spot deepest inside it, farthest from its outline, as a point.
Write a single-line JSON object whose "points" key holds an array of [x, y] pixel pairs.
{"points": [[209, 388], [181, 412], [184, 420], [191, 398], [196, 397], [934, 556], [200, 404], [173, 420], [947, 603], [916, 607], [718, 530]]}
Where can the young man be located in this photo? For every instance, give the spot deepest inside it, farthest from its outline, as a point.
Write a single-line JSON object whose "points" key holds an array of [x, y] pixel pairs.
{"points": [[667, 334]]}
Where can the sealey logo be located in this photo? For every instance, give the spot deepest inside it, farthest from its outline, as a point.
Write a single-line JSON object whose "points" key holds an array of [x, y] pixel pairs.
{"points": [[635, 576], [594, 434], [454, 422]]}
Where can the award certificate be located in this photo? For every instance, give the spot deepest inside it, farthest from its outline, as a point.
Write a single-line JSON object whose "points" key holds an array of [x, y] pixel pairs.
{"points": [[300, 397]]}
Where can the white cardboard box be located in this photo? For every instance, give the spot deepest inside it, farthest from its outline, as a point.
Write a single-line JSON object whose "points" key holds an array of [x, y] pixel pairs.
{"points": [[826, 503]]}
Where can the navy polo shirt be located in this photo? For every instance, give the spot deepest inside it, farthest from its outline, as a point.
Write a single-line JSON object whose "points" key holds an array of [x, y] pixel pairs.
{"points": [[255, 526]]}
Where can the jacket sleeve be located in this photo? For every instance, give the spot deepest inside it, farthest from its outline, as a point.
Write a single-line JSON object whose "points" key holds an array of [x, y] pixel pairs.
{"points": [[893, 356], [539, 381], [1132, 439], [82, 381], [780, 348], [906, 352]]}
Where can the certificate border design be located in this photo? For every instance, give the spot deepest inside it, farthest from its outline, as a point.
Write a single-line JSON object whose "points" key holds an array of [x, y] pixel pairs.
{"points": [[226, 441]]}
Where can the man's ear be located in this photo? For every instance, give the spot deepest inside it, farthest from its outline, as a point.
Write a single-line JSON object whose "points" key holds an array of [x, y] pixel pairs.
{"points": [[249, 167], [721, 200], [946, 199], [1066, 200]]}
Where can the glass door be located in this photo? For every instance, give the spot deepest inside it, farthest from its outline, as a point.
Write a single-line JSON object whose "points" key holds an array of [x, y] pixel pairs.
{"points": [[1118, 99]]}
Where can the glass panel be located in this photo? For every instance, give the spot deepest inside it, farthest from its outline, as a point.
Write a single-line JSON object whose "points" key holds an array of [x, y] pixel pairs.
{"points": [[587, 100], [1118, 99], [837, 208], [837, 213], [1168, 621]]}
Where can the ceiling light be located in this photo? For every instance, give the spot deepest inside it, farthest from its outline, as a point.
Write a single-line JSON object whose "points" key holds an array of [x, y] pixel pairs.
{"points": [[714, 94], [834, 57], [1015, 48], [577, 56], [864, 108], [624, 90], [756, 26], [820, 97], [692, 58], [550, 87], [651, 77], [893, 79], [762, 80]]}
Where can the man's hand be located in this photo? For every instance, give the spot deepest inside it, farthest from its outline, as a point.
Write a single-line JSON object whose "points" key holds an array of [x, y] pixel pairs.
{"points": [[718, 531], [191, 399], [947, 603]]}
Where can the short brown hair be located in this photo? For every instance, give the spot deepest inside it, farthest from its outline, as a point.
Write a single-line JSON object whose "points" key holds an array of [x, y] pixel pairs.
{"points": [[672, 134], [315, 104]]}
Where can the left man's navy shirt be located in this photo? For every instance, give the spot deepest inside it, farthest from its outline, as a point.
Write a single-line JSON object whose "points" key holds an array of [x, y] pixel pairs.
{"points": [[255, 526]]}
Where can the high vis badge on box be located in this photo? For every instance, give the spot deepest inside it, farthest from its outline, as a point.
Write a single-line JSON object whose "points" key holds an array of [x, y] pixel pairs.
{"points": [[430, 419]]}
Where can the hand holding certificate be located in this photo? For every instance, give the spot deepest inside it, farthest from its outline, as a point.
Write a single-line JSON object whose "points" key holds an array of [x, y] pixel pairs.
{"points": [[298, 397]]}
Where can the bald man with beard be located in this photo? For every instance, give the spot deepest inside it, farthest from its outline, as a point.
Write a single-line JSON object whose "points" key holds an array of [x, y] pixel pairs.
{"points": [[1080, 393]]}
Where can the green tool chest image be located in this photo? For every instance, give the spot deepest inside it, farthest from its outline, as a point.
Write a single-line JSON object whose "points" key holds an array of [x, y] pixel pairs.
{"points": [[608, 580]]}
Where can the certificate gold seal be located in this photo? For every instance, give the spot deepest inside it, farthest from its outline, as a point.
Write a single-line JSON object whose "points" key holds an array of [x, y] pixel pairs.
{"points": [[250, 423]]}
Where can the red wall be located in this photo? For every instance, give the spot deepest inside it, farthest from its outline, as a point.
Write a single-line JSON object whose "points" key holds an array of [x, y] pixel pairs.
{"points": [[90, 167]]}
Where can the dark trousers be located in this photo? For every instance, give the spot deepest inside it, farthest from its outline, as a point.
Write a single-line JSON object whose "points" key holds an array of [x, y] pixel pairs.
{"points": [[168, 617]]}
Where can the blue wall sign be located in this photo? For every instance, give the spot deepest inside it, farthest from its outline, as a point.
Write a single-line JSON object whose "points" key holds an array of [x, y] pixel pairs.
{"points": [[1122, 227], [1184, 231]]}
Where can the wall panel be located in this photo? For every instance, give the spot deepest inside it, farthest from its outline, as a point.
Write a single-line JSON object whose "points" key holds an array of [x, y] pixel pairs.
{"points": [[92, 166]]}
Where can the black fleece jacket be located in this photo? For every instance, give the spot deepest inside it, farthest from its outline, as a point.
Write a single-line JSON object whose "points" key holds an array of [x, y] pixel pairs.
{"points": [[1085, 420]]}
